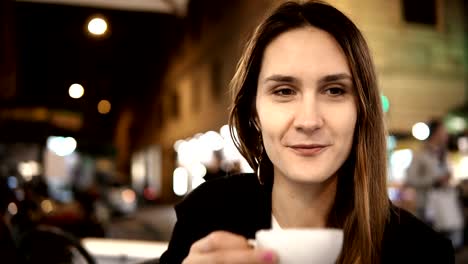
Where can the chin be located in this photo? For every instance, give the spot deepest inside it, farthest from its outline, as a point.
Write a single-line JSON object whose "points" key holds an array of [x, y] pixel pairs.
{"points": [[309, 178]]}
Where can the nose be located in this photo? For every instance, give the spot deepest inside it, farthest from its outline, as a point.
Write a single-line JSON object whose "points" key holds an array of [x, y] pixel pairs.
{"points": [[308, 117]]}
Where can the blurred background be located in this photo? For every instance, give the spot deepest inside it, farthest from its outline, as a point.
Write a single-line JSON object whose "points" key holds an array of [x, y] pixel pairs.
{"points": [[112, 111]]}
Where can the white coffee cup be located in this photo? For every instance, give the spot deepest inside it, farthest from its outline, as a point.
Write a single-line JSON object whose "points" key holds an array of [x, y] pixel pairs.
{"points": [[302, 245]]}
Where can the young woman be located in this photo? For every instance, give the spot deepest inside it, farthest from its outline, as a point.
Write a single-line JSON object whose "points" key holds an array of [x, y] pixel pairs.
{"points": [[308, 119]]}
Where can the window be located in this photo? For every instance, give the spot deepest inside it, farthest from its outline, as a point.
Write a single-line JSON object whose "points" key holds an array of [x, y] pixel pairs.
{"points": [[216, 79], [174, 105], [196, 92], [420, 11]]}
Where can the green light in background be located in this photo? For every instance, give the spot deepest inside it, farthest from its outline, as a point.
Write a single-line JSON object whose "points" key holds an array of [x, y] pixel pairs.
{"points": [[455, 123], [385, 103]]}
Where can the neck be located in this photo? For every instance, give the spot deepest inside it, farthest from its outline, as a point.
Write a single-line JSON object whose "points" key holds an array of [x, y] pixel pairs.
{"points": [[299, 204]]}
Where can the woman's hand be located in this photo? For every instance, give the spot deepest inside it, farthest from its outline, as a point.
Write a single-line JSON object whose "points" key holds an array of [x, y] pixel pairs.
{"points": [[225, 247]]}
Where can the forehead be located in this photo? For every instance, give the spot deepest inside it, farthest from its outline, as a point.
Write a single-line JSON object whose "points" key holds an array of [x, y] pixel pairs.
{"points": [[305, 50]]}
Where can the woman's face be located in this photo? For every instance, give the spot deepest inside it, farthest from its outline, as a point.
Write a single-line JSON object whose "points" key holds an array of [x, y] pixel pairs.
{"points": [[306, 105]]}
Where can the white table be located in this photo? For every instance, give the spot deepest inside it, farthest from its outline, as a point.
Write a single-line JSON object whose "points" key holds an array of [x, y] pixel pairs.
{"points": [[123, 251]]}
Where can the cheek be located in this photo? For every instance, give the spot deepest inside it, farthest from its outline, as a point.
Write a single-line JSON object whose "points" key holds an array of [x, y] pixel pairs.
{"points": [[264, 116], [274, 121], [351, 127], [271, 129], [270, 115], [345, 123]]}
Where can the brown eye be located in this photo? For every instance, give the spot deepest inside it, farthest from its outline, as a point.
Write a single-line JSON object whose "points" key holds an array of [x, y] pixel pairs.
{"points": [[284, 92], [335, 91]]}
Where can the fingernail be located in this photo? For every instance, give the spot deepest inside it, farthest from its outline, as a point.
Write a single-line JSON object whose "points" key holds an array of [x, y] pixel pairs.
{"points": [[268, 257]]}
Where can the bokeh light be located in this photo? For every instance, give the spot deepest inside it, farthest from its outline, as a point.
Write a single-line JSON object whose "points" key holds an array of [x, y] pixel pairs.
{"points": [[76, 91], [12, 208], [61, 146], [180, 181], [420, 131], [104, 107], [385, 103], [97, 26]]}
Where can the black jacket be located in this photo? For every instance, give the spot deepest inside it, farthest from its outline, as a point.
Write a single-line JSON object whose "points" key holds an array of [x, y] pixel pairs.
{"points": [[241, 205]]}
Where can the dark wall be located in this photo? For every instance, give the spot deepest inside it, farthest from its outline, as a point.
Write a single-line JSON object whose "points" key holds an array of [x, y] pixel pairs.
{"points": [[7, 51]]}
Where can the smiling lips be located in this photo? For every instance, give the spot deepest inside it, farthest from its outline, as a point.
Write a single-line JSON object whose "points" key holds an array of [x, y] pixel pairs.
{"points": [[308, 149]]}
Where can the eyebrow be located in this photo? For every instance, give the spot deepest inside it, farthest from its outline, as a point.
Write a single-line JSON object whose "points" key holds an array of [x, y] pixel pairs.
{"points": [[324, 79], [281, 78], [335, 77]]}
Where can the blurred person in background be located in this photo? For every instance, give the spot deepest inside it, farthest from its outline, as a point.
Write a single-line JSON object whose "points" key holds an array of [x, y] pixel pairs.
{"points": [[463, 191], [444, 211], [219, 167], [429, 166], [214, 168], [309, 121]]}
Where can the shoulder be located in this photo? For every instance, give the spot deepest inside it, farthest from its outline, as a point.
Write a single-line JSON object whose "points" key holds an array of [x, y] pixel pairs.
{"points": [[229, 190], [232, 203], [408, 238], [230, 183], [404, 223]]}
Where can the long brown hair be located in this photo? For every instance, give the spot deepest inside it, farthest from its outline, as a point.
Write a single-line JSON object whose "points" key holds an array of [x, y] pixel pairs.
{"points": [[362, 178]]}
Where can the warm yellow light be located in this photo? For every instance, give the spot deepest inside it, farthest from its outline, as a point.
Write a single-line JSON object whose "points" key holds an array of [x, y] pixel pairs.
{"points": [[12, 208], [104, 107], [128, 196], [47, 206], [76, 91], [97, 26]]}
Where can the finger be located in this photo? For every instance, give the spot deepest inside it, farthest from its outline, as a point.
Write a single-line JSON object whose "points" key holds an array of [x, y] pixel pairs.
{"points": [[234, 256], [220, 240]]}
